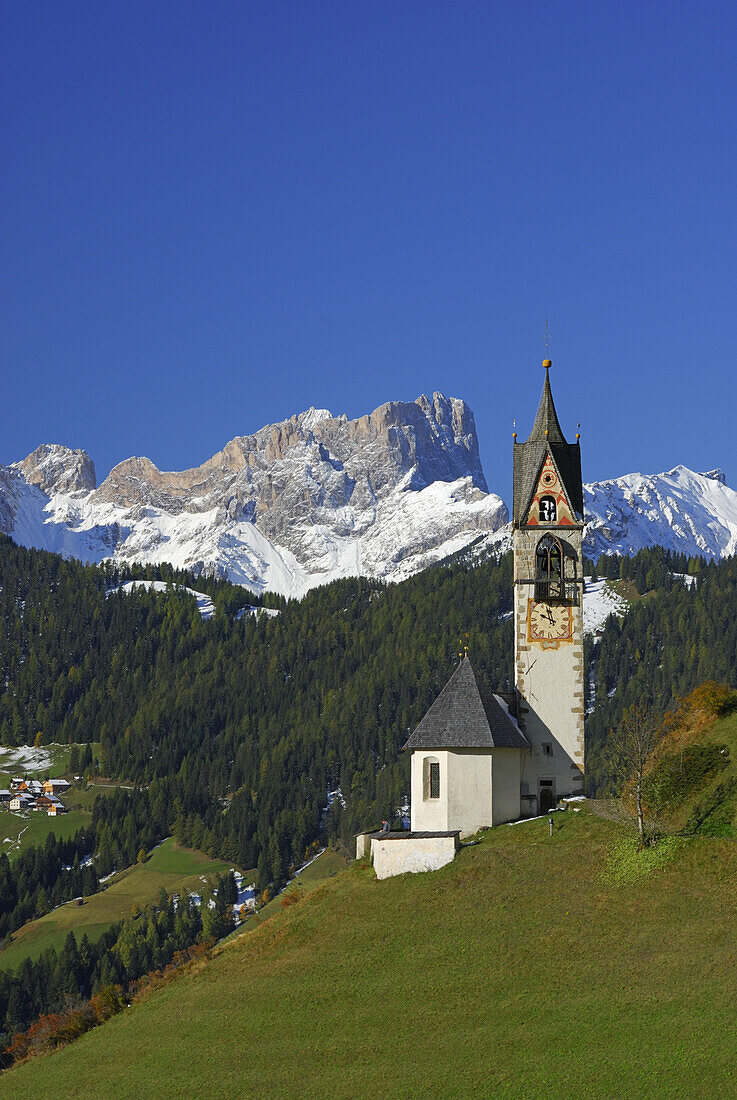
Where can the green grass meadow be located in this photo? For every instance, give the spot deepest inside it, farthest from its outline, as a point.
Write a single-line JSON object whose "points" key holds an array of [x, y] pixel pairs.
{"points": [[21, 831], [176, 869], [523, 969]]}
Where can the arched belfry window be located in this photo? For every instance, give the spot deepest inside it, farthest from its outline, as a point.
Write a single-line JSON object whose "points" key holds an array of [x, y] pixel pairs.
{"points": [[556, 570], [549, 569], [548, 510]]}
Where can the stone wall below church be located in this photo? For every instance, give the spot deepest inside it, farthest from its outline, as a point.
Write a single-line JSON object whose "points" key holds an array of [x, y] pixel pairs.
{"points": [[408, 854]]}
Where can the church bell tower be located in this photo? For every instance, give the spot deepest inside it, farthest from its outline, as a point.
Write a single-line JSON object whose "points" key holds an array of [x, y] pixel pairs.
{"points": [[547, 521]]}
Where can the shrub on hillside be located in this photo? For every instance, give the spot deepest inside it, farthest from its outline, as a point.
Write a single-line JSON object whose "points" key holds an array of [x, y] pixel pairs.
{"points": [[679, 774]]}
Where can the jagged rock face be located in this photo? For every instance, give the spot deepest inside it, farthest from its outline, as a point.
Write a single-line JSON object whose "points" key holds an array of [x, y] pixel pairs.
{"points": [[314, 467], [293, 505], [57, 469], [434, 440]]}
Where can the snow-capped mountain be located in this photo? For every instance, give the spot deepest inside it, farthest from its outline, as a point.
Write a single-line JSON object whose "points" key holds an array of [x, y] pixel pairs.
{"points": [[692, 513], [295, 505], [318, 497], [681, 510]]}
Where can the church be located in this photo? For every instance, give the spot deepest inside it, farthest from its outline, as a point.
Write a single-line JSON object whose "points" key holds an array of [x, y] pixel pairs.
{"points": [[478, 758]]}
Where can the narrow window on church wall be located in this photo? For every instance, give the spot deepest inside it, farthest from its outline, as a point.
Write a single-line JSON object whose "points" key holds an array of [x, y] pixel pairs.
{"points": [[434, 781]]}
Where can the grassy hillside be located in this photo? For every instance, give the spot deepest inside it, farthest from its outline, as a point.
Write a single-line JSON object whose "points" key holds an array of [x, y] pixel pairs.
{"points": [[21, 831], [692, 784], [174, 868], [518, 970]]}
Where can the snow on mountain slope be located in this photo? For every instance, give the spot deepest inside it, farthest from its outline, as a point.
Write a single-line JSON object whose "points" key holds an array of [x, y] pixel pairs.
{"points": [[205, 606], [295, 505], [600, 600], [681, 510]]}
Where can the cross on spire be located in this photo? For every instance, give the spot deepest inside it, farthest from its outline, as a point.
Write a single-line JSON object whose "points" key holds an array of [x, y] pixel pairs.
{"points": [[547, 337]]}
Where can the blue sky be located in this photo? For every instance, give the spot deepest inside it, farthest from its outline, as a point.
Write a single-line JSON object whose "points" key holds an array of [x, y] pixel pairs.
{"points": [[217, 214]]}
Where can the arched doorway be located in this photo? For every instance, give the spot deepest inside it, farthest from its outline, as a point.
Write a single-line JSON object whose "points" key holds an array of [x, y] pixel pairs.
{"points": [[546, 798]]}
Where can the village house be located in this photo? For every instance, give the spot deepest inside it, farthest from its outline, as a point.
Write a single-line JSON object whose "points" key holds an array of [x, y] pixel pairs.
{"points": [[27, 786], [55, 786], [21, 801], [50, 804]]}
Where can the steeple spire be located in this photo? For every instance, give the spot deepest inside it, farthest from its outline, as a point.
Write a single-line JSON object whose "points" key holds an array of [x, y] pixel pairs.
{"points": [[546, 427], [545, 438]]}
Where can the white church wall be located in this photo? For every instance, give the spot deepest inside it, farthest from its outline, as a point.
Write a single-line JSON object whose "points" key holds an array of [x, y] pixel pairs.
{"points": [[465, 791], [550, 681], [506, 767], [363, 845], [469, 791], [428, 814]]}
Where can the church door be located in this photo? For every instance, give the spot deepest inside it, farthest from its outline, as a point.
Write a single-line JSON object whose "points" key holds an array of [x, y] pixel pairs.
{"points": [[546, 800]]}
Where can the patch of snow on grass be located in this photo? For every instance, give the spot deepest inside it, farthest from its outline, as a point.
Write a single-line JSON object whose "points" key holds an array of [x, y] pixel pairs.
{"points": [[205, 606], [26, 758], [269, 612], [600, 600]]}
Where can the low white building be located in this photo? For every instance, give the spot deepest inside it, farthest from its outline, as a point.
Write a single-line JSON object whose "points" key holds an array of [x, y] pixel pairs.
{"points": [[467, 759]]}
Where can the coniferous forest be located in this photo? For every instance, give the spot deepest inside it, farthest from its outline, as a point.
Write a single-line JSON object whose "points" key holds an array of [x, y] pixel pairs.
{"points": [[250, 737]]}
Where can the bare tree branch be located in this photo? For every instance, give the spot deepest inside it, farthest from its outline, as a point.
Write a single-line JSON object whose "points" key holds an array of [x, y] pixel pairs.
{"points": [[631, 746]]}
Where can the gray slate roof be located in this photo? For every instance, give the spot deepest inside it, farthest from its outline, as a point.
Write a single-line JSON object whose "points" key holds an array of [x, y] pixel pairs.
{"points": [[529, 457], [466, 715]]}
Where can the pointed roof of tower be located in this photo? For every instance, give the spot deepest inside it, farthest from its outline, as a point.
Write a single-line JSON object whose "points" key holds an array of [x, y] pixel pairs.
{"points": [[546, 426], [545, 438], [466, 715]]}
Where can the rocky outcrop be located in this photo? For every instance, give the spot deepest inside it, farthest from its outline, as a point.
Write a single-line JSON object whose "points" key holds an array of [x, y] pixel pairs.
{"points": [[292, 505], [57, 469]]}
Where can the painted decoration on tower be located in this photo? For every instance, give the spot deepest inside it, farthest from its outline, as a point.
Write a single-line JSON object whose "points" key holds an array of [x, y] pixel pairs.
{"points": [[550, 504]]}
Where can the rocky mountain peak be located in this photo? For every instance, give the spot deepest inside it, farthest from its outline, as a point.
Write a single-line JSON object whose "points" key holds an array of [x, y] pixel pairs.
{"points": [[317, 457], [716, 475], [57, 469]]}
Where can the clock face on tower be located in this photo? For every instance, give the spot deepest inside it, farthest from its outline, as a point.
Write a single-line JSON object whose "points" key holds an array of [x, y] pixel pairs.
{"points": [[548, 622]]}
